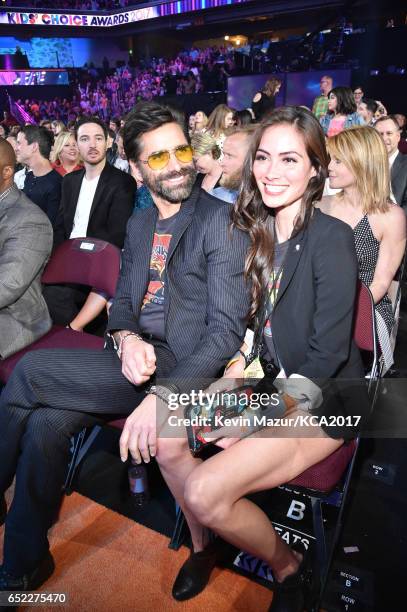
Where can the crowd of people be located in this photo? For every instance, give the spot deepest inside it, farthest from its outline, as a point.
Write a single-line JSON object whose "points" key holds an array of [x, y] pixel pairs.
{"points": [[246, 234], [106, 91]]}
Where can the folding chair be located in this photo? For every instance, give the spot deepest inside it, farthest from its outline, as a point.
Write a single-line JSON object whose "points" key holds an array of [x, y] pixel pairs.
{"points": [[81, 445], [327, 482], [83, 261]]}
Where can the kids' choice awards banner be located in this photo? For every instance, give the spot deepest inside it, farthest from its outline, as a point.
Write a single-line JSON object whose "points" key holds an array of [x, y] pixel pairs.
{"points": [[106, 20], [58, 19]]}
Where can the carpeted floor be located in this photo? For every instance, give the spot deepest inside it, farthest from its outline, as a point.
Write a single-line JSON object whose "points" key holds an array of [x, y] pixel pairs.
{"points": [[106, 562]]}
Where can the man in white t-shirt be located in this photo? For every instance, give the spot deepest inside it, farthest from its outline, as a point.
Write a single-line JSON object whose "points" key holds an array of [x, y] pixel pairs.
{"points": [[97, 202]]}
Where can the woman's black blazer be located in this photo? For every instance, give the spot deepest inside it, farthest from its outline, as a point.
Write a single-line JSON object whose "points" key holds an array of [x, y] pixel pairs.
{"points": [[313, 315]]}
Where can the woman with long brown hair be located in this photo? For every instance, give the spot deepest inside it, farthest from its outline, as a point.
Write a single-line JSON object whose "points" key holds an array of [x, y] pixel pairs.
{"points": [[303, 271], [220, 119], [264, 101]]}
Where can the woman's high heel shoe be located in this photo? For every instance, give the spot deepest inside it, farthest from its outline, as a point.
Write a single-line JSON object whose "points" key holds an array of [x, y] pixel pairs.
{"points": [[292, 594]]}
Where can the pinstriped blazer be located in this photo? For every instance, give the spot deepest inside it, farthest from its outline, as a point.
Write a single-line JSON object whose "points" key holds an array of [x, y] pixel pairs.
{"points": [[206, 296]]}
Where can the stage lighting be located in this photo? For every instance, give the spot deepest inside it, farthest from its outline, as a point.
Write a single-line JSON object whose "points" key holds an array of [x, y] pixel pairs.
{"points": [[374, 72], [226, 37]]}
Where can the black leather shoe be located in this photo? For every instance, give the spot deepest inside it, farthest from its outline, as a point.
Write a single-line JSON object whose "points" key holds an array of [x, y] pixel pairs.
{"points": [[28, 582], [291, 594], [3, 510], [195, 573]]}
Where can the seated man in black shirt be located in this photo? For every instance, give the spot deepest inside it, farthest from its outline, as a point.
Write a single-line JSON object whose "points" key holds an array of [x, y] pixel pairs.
{"points": [[42, 183]]}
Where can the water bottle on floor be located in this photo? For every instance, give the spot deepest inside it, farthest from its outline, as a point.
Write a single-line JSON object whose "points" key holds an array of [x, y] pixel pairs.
{"points": [[138, 484]]}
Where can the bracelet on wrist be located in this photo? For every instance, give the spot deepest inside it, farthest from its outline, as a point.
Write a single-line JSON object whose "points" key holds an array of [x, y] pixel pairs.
{"points": [[244, 357], [236, 358], [122, 339]]}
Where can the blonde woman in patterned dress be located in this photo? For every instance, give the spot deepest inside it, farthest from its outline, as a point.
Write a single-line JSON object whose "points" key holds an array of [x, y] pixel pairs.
{"points": [[359, 167]]}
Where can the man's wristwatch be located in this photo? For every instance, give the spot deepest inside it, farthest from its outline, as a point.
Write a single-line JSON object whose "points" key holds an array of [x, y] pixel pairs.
{"points": [[163, 393]]}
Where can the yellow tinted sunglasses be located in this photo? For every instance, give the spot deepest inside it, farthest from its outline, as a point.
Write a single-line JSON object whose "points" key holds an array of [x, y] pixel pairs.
{"points": [[160, 159]]}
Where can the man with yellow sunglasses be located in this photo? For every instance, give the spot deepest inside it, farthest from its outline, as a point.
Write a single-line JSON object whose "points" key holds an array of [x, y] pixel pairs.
{"points": [[179, 313]]}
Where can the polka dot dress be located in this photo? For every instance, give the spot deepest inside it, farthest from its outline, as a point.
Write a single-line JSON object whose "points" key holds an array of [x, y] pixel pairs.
{"points": [[367, 251]]}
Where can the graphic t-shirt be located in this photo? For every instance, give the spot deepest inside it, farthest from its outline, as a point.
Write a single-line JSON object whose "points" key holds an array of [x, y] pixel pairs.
{"points": [[273, 287], [152, 310]]}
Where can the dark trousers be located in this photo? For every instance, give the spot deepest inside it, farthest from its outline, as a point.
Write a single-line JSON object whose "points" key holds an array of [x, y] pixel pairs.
{"points": [[51, 395]]}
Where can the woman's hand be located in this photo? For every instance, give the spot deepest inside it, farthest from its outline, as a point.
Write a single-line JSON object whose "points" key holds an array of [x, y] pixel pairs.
{"points": [[236, 370], [226, 442]]}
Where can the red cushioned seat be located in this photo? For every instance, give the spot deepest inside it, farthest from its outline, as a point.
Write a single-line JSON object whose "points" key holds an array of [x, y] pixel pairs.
{"points": [[326, 474], [84, 261], [118, 423], [57, 337]]}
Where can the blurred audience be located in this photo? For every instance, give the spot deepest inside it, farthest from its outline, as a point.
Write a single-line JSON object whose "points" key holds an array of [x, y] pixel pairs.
{"points": [[235, 149], [220, 119], [206, 158], [243, 117], [264, 100], [200, 122], [367, 110], [121, 162], [358, 94], [320, 104], [65, 154], [341, 112], [389, 129]]}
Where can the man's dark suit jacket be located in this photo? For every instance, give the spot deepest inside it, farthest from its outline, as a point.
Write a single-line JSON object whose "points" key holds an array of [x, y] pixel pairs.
{"points": [[399, 180], [206, 296], [112, 205]]}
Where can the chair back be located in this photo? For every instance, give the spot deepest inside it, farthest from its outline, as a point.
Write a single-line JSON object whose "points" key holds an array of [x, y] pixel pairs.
{"points": [[84, 261], [364, 323]]}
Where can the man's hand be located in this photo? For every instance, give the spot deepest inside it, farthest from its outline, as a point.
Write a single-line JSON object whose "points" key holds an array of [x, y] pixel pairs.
{"points": [[138, 360], [139, 434]]}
